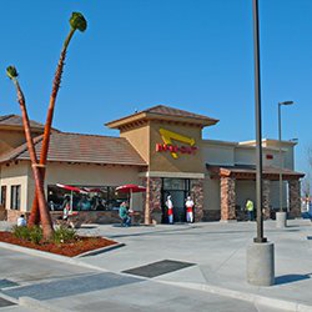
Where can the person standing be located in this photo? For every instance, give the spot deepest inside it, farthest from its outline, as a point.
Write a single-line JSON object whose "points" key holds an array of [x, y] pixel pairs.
{"points": [[250, 209], [169, 205], [189, 204], [66, 210]]}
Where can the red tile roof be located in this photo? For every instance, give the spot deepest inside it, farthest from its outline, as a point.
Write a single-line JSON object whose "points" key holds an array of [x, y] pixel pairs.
{"points": [[17, 121], [165, 113], [170, 111], [251, 169], [82, 148]]}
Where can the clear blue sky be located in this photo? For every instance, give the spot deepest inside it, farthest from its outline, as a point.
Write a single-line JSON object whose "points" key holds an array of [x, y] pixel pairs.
{"points": [[194, 55]]}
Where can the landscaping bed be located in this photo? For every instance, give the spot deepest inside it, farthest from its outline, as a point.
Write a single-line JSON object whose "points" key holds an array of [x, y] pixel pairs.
{"points": [[72, 248]]}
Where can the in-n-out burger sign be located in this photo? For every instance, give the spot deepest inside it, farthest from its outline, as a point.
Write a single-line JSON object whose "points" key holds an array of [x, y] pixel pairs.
{"points": [[167, 137]]}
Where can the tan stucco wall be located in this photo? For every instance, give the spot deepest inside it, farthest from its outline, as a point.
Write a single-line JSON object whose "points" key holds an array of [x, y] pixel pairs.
{"points": [[89, 175], [212, 198], [215, 154], [15, 174], [139, 139], [272, 147], [247, 156], [163, 161], [86, 175]]}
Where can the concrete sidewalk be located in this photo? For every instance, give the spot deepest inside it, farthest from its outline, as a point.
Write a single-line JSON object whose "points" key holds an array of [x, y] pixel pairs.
{"points": [[219, 252], [206, 261]]}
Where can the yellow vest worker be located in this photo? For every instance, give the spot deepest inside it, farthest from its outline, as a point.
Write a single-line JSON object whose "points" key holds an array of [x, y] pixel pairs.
{"points": [[250, 209]]}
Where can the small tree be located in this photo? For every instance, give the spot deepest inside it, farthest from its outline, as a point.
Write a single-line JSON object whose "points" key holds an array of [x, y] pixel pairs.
{"points": [[77, 21], [40, 211], [44, 212]]}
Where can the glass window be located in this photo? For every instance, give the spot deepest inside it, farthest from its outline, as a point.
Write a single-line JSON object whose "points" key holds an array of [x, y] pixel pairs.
{"points": [[3, 195], [92, 198], [15, 197], [174, 184]]}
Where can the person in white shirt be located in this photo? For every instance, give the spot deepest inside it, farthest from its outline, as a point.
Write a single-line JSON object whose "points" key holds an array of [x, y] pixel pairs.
{"points": [[189, 204], [21, 221], [169, 205]]}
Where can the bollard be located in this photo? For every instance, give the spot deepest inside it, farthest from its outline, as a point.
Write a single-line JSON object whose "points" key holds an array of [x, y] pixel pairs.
{"points": [[281, 219], [260, 264]]}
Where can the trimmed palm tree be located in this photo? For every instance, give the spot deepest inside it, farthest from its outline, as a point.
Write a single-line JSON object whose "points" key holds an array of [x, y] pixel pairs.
{"points": [[77, 21], [44, 212]]}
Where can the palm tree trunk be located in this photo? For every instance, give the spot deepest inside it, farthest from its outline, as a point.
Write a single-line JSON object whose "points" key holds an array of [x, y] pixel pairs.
{"points": [[44, 213], [35, 213]]}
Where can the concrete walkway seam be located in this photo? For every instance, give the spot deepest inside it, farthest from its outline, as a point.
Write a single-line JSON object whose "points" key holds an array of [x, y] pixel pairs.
{"points": [[252, 298], [39, 305]]}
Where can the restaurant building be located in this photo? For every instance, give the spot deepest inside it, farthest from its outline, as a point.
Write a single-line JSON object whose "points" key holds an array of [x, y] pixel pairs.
{"points": [[161, 148]]}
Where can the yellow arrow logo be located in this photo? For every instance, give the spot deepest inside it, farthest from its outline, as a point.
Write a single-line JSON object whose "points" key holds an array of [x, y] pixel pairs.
{"points": [[167, 137]]}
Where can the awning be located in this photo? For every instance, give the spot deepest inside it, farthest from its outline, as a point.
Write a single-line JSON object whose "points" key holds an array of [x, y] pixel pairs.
{"points": [[248, 172]]}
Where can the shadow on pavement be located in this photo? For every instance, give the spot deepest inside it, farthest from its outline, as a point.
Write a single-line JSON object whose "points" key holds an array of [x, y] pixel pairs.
{"points": [[291, 278]]}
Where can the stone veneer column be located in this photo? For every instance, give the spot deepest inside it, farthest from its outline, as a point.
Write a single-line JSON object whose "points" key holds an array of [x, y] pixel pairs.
{"points": [[197, 192], [152, 200], [228, 198], [294, 190], [266, 184]]}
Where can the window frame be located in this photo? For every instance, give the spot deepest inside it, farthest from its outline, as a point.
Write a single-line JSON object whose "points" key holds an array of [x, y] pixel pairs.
{"points": [[15, 203], [3, 195]]}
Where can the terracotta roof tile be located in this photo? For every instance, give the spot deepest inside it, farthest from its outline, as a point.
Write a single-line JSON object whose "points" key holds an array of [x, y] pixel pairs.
{"points": [[251, 169], [166, 110], [16, 152], [15, 120], [2, 118], [81, 148], [165, 113]]}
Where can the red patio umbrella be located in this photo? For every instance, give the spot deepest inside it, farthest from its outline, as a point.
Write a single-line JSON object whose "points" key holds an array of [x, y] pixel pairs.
{"points": [[71, 189], [130, 188]]}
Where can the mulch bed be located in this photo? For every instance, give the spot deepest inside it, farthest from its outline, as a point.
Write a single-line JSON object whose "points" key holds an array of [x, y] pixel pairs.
{"points": [[70, 249]]}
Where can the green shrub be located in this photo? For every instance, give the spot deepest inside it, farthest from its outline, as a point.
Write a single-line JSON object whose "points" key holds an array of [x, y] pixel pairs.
{"points": [[21, 232], [35, 234], [63, 234]]}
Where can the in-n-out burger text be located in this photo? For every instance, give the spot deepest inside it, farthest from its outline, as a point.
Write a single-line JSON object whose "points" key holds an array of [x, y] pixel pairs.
{"points": [[175, 149]]}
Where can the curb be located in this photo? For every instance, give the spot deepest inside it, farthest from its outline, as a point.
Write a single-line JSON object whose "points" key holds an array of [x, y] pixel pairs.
{"points": [[50, 256], [8, 298], [99, 250], [281, 304]]}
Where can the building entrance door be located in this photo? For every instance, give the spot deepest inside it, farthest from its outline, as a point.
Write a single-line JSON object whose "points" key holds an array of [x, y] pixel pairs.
{"points": [[179, 190]]}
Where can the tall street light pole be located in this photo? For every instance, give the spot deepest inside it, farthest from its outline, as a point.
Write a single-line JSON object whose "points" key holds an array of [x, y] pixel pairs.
{"points": [[281, 216], [260, 254], [259, 238]]}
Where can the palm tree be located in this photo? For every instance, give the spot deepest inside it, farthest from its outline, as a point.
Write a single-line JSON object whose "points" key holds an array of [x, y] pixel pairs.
{"points": [[44, 213], [77, 21]]}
